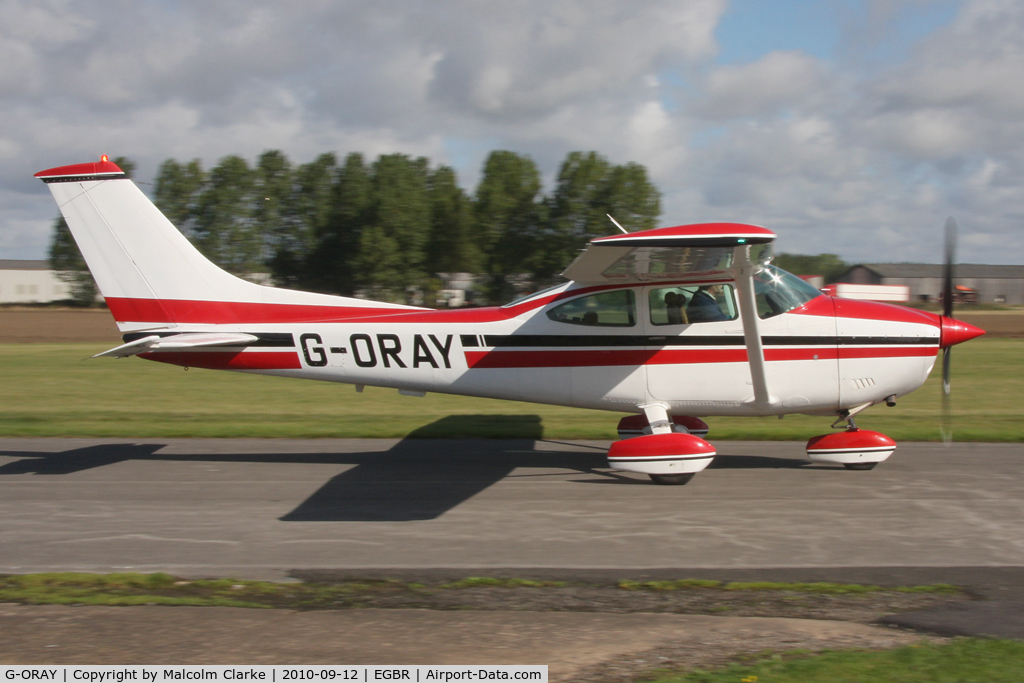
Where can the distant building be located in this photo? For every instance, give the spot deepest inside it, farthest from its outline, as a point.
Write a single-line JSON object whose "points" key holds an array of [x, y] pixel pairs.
{"points": [[899, 294], [457, 289], [30, 282], [982, 283]]}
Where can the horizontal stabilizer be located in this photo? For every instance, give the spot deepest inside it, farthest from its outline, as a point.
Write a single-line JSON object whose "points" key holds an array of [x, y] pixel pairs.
{"points": [[192, 340]]}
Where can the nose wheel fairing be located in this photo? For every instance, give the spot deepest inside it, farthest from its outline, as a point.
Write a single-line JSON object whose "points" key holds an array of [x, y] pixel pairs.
{"points": [[852, 448]]}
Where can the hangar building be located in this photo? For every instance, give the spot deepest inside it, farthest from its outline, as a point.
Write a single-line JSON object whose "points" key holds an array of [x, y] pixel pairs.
{"points": [[990, 284], [30, 282]]}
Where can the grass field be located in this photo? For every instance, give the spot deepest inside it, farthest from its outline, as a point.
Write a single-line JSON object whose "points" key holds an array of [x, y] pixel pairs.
{"points": [[56, 390], [964, 660], [71, 588]]}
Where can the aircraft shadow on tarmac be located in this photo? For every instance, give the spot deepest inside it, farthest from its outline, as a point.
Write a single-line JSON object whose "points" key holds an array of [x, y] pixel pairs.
{"points": [[417, 479]]}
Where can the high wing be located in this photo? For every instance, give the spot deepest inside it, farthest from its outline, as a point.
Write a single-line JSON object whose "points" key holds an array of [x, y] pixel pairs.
{"points": [[685, 252], [706, 251]]}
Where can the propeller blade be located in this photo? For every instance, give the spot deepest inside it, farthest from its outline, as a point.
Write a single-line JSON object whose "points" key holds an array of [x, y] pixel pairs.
{"points": [[946, 419], [947, 280], [946, 422]]}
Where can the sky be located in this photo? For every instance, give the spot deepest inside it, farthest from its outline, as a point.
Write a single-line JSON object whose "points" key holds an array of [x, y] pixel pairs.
{"points": [[852, 127]]}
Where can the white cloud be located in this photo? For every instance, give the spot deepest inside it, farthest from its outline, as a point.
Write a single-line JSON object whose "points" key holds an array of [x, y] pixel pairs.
{"points": [[862, 161], [923, 134], [776, 81], [868, 163]]}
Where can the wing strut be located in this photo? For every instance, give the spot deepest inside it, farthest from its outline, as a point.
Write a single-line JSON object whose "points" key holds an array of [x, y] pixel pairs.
{"points": [[744, 273]]}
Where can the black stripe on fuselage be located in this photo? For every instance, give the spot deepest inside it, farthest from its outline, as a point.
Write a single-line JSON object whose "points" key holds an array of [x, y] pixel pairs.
{"points": [[608, 340], [265, 339]]}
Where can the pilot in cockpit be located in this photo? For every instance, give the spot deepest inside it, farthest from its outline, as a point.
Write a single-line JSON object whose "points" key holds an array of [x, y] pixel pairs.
{"points": [[703, 307], [674, 308]]}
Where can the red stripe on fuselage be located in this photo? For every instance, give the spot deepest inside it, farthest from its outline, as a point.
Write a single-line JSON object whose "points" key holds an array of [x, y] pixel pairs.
{"points": [[185, 311], [887, 352], [247, 313], [232, 312], [228, 360]]}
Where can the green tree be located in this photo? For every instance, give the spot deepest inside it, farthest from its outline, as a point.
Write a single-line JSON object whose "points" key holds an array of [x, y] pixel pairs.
{"points": [[177, 190], [399, 220], [310, 208], [631, 198], [509, 211], [273, 212], [829, 266], [451, 248], [384, 230], [332, 264], [577, 209], [590, 189], [376, 264], [225, 229], [66, 258]]}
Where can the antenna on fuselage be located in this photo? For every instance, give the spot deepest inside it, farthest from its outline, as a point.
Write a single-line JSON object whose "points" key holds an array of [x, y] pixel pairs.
{"points": [[624, 231]]}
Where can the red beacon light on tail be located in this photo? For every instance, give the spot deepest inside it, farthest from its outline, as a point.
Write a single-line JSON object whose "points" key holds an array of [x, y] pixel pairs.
{"points": [[104, 169]]}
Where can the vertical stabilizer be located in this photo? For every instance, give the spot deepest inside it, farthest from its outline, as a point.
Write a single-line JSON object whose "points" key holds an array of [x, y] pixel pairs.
{"points": [[152, 276]]}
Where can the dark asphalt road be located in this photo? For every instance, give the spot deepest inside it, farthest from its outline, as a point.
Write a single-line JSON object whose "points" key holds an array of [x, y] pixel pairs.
{"points": [[278, 508]]}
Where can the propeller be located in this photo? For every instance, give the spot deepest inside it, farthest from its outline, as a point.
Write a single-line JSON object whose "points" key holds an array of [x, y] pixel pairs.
{"points": [[945, 424]]}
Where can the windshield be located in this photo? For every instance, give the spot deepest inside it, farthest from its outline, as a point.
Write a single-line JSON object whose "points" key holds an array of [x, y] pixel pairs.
{"points": [[778, 291]]}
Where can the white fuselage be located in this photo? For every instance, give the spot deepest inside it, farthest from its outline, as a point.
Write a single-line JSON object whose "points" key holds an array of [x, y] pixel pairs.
{"points": [[816, 361], [689, 318]]}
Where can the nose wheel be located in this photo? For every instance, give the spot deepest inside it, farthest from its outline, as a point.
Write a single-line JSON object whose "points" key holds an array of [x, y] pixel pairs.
{"points": [[671, 479], [859, 465]]}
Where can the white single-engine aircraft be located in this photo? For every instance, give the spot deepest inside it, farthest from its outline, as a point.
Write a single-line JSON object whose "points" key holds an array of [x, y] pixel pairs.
{"points": [[670, 325]]}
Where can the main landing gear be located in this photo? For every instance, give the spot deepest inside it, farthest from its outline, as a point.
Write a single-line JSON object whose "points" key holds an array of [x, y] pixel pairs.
{"points": [[853, 448], [667, 449], [670, 450]]}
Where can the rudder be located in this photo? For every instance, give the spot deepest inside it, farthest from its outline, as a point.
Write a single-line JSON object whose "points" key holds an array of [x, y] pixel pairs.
{"points": [[151, 275]]}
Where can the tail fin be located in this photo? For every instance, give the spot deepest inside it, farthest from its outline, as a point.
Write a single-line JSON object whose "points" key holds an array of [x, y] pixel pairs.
{"points": [[151, 276]]}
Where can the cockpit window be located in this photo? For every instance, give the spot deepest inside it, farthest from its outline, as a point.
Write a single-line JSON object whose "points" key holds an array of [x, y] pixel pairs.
{"points": [[692, 304], [606, 309], [777, 291]]}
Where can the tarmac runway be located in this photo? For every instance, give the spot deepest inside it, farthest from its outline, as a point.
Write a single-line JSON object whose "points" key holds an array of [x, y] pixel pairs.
{"points": [[268, 508], [274, 509]]}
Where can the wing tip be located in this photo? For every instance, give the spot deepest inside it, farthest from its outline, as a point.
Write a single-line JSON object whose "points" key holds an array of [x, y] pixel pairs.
{"points": [[713, 234]]}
